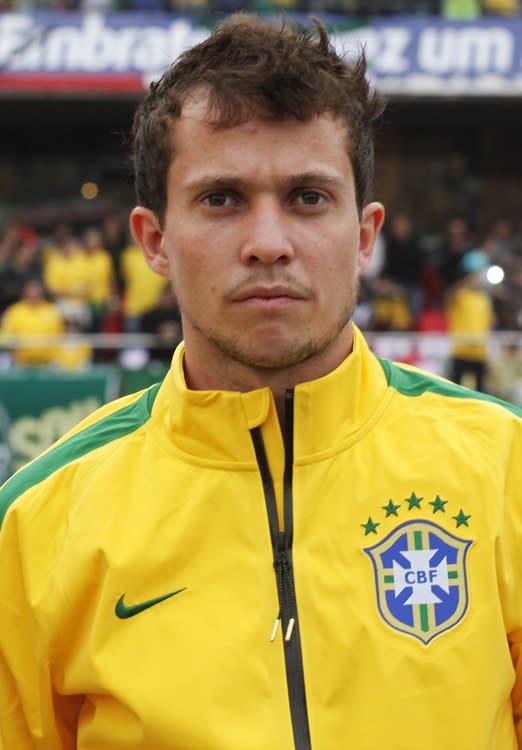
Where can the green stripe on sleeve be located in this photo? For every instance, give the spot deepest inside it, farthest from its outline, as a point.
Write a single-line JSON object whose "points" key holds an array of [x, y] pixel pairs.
{"points": [[411, 383], [115, 425]]}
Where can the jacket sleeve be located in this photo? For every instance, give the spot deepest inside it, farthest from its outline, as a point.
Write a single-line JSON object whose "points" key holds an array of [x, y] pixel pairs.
{"points": [[32, 715]]}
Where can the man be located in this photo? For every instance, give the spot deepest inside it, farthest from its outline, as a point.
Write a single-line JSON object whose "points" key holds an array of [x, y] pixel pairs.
{"points": [[287, 544], [68, 279], [33, 315], [101, 277], [471, 317]]}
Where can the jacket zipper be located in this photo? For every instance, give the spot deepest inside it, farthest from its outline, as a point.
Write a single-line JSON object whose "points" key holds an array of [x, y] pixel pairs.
{"points": [[282, 551]]}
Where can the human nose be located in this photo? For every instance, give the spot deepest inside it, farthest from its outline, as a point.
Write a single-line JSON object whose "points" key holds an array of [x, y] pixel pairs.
{"points": [[267, 234]]}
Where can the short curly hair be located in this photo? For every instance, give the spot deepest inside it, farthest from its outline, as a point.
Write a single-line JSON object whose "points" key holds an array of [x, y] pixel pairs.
{"points": [[249, 67]]}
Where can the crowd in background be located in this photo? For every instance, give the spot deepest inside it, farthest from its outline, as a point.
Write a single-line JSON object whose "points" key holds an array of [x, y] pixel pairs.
{"points": [[95, 280], [412, 274], [89, 281], [458, 283], [361, 8]]}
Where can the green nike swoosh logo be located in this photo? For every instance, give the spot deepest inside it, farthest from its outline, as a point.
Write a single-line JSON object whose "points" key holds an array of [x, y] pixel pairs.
{"points": [[123, 611]]}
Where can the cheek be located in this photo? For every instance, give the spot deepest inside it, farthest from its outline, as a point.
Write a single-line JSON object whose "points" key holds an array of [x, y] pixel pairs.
{"points": [[340, 287], [195, 267], [337, 271]]}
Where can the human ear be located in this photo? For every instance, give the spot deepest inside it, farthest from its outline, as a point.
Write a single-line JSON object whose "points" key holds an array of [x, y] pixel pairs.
{"points": [[371, 222], [146, 231]]}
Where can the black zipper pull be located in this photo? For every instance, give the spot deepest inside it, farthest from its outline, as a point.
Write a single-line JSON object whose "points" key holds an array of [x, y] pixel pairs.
{"points": [[287, 612]]}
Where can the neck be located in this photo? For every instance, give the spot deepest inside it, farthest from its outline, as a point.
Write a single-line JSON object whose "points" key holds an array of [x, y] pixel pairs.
{"points": [[215, 371]]}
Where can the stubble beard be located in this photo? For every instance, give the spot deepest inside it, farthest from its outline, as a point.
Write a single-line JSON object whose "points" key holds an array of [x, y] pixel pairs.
{"points": [[244, 352]]}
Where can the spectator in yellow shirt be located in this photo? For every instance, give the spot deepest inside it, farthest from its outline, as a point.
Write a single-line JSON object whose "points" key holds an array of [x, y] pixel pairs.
{"points": [[470, 319], [33, 315], [142, 288], [99, 275], [66, 278], [390, 306], [74, 353]]}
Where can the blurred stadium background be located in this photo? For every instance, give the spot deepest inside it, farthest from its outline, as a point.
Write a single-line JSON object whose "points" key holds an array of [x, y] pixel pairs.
{"points": [[449, 157]]}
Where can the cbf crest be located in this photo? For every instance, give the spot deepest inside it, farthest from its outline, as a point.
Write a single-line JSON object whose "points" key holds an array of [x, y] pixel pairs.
{"points": [[420, 577]]}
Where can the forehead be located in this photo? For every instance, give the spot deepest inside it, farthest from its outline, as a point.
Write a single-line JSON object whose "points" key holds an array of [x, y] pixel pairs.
{"points": [[201, 141], [198, 109]]}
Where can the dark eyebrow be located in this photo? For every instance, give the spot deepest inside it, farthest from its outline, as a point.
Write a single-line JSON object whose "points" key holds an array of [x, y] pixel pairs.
{"points": [[214, 182], [219, 182], [319, 179]]}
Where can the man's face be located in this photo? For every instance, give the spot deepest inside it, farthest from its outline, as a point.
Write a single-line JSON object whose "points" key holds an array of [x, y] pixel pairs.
{"points": [[33, 292], [262, 239]]}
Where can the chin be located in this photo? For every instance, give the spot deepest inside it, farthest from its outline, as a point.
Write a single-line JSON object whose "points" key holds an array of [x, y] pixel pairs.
{"points": [[276, 357]]}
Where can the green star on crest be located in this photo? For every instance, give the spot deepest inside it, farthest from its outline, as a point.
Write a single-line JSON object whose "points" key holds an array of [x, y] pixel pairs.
{"points": [[438, 504], [391, 509], [370, 527], [462, 519], [414, 501]]}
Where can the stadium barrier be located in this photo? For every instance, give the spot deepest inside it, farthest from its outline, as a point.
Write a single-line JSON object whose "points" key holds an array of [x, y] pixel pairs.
{"points": [[39, 404]]}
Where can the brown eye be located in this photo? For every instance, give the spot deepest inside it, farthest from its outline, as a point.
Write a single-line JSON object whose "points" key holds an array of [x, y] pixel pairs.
{"points": [[216, 200], [310, 198]]}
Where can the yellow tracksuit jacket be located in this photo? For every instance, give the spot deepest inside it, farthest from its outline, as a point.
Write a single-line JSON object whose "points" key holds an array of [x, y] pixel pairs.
{"points": [[176, 575]]}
